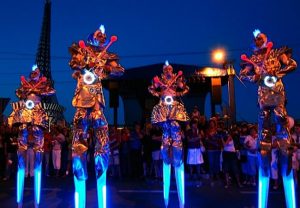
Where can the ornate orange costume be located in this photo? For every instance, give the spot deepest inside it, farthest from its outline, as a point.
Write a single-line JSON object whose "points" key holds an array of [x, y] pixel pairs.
{"points": [[92, 63], [29, 114], [266, 67], [167, 113]]}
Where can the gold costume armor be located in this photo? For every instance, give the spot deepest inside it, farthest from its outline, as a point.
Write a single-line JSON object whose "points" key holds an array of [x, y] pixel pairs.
{"points": [[91, 63], [163, 112], [266, 67], [167, 113], [31, 118], [86, 96], [21, 115], [31, 90], [174, 110]]}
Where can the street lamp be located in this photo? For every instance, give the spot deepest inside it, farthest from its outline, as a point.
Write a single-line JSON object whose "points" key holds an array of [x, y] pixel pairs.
{"points": [[218, 56]]}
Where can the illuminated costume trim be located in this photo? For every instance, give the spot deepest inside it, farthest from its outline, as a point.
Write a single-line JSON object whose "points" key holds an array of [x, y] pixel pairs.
{"points": [[163, 112], [265, 68], [31, 118], [22, 114], [167, 113], [91, 63]]}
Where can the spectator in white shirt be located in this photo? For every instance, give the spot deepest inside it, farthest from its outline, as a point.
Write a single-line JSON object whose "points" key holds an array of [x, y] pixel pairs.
{"points": [[58, 139], [252, 163]]}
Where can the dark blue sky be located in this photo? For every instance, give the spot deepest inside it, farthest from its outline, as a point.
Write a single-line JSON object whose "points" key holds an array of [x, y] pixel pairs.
{"points": [[182, 31]]}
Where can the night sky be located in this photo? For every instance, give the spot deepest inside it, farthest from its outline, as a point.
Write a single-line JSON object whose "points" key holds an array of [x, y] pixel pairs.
{"points": [[149, 32]]}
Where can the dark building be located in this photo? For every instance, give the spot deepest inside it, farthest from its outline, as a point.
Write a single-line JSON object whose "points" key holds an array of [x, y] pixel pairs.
{"points": [[138, 102]]}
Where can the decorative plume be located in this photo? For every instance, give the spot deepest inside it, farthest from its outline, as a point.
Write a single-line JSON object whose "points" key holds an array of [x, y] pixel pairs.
{"points": [[102, 29], [256, 32], [34, 67], [167, 63]]}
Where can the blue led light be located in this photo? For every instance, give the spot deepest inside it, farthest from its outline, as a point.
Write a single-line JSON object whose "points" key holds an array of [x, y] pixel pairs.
{"points": [[289, 190], [101, 190], [166, 178], [37, 184], [76, 198], [179, 174], [20, 184], [263, 189], [80, 193]]}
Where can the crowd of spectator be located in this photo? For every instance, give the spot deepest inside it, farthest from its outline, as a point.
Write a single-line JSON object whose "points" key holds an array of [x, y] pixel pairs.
{"points": [[214, 149], [56, 156]]}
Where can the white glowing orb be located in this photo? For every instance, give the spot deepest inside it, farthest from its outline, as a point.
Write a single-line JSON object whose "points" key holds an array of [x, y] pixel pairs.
{"points": [[167, 63], [89, 77], [29, 104], [169, 100], [270, 81], [256, 32]]}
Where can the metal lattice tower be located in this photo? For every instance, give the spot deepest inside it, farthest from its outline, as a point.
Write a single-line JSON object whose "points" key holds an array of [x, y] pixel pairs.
{"points": [[50, 103]]}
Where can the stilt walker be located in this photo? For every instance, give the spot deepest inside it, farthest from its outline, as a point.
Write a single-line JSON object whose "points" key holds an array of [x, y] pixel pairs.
{"points": [[91, 63], [266, 67], [31, 118], [167, 114]]}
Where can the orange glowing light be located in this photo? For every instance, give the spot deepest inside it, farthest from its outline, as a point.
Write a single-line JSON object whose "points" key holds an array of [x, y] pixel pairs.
{"points": [[218, 56]]}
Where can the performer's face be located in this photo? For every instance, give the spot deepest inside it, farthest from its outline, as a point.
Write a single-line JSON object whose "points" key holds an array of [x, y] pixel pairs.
{"points": [[168, 71], [258, 42], [34, 75], [98, 35]]}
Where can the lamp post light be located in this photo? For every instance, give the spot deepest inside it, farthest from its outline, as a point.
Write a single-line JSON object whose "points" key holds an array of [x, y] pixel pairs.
{"points": [[215, 74], [219, 57], [231, 93]]}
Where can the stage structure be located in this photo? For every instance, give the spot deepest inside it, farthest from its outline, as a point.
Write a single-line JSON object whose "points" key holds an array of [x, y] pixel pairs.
{"points": [[138, 102]]}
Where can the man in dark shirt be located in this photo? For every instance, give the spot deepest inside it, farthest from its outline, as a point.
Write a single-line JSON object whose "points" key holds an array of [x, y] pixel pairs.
{"points": [[10, 151], [136, 150]]}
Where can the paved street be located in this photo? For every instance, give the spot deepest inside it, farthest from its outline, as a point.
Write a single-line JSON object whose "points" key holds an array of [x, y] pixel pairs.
{"points": [[58, 192]]}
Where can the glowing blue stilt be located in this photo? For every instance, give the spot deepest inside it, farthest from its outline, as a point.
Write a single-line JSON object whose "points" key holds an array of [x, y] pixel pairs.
{"points": [[263, 189], [289, 190], [179, 175], [20, 185], [37, 185], [80, 193], [101, 190], [167, 179]]}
